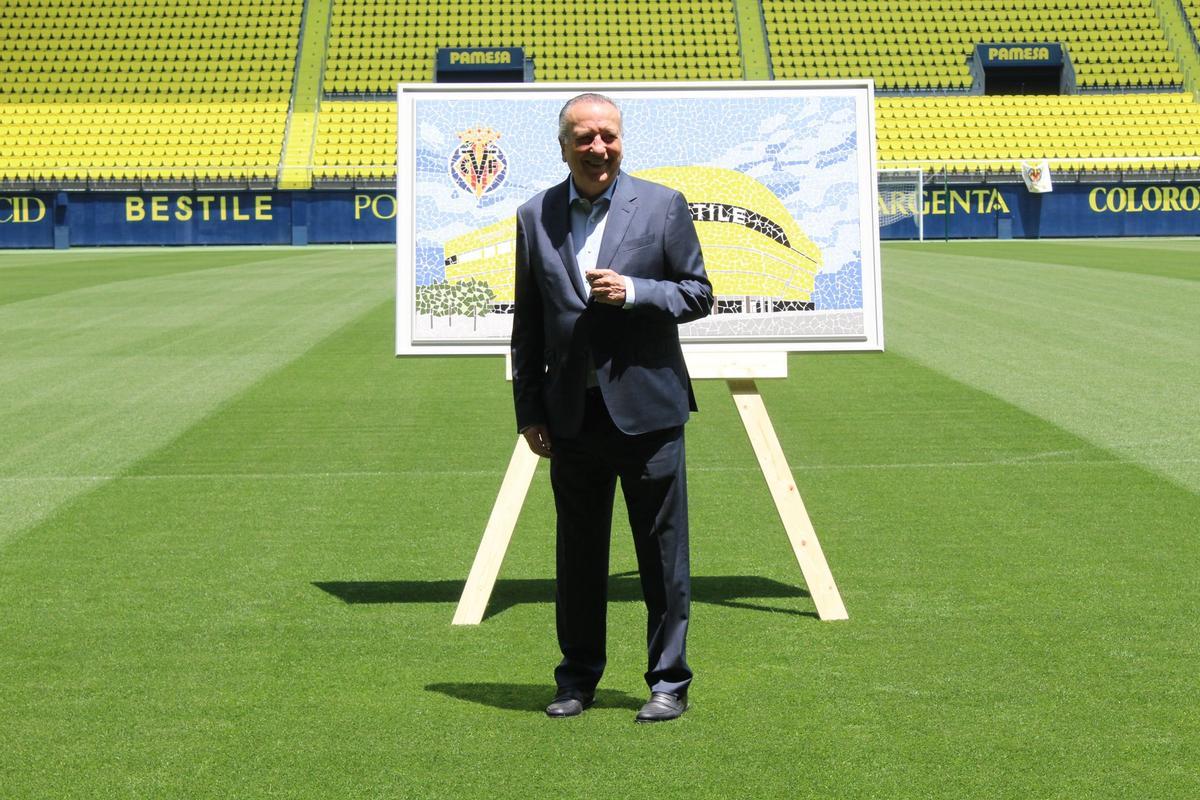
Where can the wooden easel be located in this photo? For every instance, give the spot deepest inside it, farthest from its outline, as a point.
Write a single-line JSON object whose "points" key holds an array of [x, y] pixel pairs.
{"points": [[739, 371]]}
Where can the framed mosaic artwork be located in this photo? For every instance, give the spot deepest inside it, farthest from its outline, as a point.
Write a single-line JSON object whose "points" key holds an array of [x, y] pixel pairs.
{"points": [[779, 177]]}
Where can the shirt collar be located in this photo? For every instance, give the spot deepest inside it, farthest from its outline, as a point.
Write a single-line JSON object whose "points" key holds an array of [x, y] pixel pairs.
{"points": [[573, 193]]}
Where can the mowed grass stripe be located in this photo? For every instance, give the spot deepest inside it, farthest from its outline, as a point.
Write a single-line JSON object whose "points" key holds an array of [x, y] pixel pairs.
{"points": [[29, 275], [97, 377], [1108, 355], [1164, 258], [211, 635], [1035, 461]]}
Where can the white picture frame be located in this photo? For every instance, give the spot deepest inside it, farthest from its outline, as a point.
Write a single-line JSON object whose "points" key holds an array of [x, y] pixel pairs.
{"points": [[781, 177]]}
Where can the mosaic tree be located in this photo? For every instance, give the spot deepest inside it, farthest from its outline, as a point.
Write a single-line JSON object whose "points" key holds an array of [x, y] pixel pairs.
{"points": [[424, 302], [474, 299], [436, 300], [442, 300]]}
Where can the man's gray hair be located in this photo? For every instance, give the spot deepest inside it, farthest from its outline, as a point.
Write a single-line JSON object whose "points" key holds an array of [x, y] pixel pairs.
{"points": [[564, 128]]}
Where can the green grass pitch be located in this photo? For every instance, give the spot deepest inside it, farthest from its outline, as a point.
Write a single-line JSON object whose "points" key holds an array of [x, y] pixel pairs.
{"points": [[233, 528]]}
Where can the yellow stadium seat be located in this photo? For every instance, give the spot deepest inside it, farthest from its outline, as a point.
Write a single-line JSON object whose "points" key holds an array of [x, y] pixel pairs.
{"points": [[1057, 127], [951, 30], [172, 63]]}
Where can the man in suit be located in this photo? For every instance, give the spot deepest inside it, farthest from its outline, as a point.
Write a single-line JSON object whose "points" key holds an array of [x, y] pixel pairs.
{"points": [[607, 267]]}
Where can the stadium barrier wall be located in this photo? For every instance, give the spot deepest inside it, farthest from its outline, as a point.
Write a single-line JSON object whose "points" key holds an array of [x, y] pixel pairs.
{"points": [[91, 219], [98, 219], [1009, 211]]}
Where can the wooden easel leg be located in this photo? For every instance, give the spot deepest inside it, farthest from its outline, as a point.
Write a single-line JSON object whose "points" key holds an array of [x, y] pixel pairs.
{"points": [[787, 500], [497, 535]]}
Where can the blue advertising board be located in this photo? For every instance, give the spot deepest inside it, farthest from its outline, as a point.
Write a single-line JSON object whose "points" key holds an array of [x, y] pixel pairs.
{"points": [[1071, 210], [27, 220], [1026, 54], [175, 218], [343, 217], [474, 59], [977, 211], [99, 219], [480, 65]]}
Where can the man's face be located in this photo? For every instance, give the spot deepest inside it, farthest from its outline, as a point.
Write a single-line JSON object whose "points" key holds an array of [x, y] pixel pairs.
{"points": [[593, 147]]}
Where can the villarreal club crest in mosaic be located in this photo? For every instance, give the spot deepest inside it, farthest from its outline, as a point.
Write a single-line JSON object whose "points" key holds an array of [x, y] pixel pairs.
{"points": [[478, 165]]}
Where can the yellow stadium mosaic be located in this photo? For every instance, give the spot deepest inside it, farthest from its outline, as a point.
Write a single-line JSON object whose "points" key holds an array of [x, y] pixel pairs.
{"points": [[752, 246]]}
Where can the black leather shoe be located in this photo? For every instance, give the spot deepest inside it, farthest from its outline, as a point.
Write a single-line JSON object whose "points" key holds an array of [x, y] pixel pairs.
{"points": [[569, 703], [662, 707]]}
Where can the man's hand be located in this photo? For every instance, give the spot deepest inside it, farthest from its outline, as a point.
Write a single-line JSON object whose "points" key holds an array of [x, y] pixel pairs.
{"points": [[538, 439], [607, 286]]}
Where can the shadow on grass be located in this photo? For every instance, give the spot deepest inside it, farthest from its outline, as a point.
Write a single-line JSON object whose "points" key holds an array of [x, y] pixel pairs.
{"points": [[526, 696], [731, 591]]}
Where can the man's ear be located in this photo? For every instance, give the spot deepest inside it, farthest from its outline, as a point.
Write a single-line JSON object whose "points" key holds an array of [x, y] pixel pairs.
{"points": [[562, 146]]}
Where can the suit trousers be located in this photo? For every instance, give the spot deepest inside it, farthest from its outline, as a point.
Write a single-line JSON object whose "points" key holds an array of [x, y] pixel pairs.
{"points": [[583, 472]]}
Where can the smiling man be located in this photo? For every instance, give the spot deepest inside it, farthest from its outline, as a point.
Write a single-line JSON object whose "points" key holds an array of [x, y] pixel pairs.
{"points": [[607, 267]]}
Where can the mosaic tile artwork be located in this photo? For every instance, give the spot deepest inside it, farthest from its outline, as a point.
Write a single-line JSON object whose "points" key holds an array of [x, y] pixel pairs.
{"points": [[777, 182]]}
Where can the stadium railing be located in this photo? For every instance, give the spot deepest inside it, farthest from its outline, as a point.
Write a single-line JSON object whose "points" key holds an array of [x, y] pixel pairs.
{"points": [[1073, 170], [89, 178], [379, 175]]}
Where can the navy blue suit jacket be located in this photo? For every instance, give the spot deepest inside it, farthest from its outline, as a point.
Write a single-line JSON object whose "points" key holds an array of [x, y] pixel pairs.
{"points": [[649, 237]]}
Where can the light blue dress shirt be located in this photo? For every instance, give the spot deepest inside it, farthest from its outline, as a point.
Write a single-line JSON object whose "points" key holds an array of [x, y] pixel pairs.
{"points": [[588, 219]]}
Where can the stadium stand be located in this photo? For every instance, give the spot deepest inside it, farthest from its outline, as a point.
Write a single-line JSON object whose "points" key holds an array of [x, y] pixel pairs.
{"points": [[113, 91], [921, 131], [150, 90], [925, 44], [356, 140], [376, 44]]}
